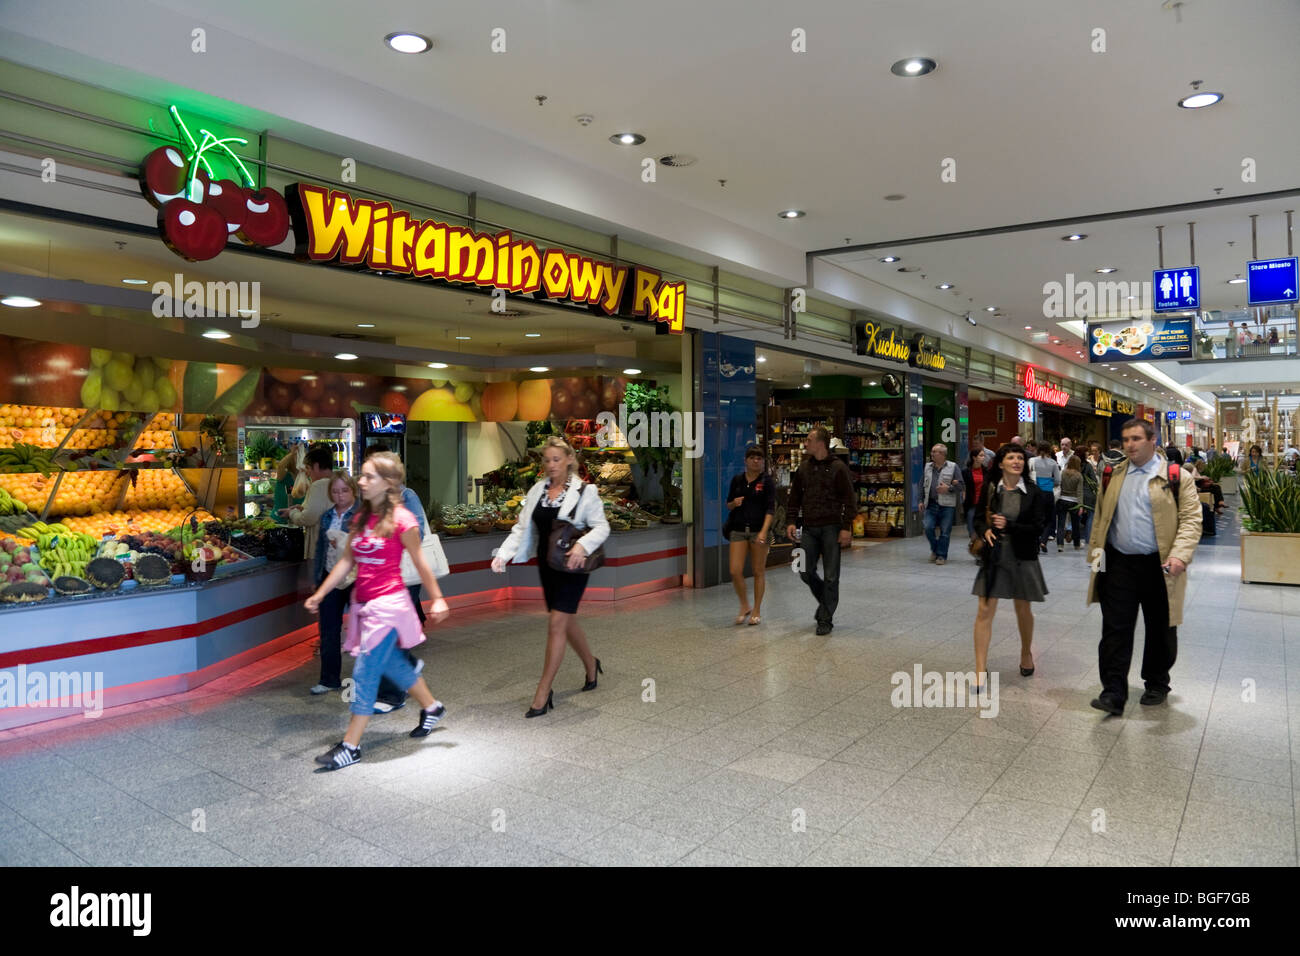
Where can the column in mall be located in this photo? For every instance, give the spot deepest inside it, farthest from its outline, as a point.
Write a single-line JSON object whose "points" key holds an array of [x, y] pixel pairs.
{"points": [[914, 452], [963, 423]]}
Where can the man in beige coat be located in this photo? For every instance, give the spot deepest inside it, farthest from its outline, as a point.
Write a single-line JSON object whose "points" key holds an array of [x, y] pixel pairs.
{"points": [[1142, 542]]}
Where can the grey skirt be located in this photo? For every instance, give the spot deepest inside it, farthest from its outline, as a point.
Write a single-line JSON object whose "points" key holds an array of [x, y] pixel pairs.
{"points": [[1011, 578]]}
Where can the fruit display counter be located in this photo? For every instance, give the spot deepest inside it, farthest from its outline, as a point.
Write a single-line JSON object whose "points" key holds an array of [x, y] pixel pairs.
{"points": [[636, 562], [144, 643]]}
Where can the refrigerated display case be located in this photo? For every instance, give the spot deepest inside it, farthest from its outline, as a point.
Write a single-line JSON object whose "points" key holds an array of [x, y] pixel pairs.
{"points": [[256, 483]]}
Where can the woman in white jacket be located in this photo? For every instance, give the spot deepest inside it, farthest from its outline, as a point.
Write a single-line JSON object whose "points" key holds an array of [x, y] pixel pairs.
{"points": [[560, 495]]}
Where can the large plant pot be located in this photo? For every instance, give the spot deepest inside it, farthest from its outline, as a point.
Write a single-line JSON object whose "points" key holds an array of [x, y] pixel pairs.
{"points": [[1228, 484], [1270, 558]]}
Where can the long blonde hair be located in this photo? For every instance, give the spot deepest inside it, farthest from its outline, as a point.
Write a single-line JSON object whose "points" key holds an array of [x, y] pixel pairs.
{"points": [[390, 468], [555, 441]]}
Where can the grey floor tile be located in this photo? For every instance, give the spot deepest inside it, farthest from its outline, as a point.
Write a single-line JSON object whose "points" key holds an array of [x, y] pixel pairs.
{"points": [[693, 820], [901, 829], [708, 856], [667, 772], [711, 749], [846, 851], [1261, 797], [818, 809], [25, 844], [1056, 787], [1120, 836], [777, 764], [973, 843], [1036, 822], [419, 836], [850, 780], [768, 840], [498, 849], [559, 828], [734, 789], [628, 845], [1217, 822]]}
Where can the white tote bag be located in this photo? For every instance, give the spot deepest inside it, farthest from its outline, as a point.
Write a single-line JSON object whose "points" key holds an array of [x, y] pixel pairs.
{"points": [[434, 557]]}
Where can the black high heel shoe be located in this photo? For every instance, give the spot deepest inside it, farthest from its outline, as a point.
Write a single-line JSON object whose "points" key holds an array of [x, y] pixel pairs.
{"points": [[538, 711], [591, 684], [1026, 672]]}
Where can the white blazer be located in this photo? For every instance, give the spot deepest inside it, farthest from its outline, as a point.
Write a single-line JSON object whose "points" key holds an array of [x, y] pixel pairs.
{"points": [[580, 505]]}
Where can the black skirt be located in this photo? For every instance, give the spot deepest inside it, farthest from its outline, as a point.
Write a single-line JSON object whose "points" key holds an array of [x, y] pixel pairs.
{"points": [[562, 590]]}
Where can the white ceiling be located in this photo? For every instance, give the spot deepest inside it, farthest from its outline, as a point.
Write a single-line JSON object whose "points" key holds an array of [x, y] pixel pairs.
{"points": [[1040, 126]]}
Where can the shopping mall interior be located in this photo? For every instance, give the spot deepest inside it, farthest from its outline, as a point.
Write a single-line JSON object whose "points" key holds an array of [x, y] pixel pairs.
{"points": [[244, 245]]}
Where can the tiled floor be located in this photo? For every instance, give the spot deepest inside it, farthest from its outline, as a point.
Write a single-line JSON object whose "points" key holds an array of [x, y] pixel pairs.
{"points": [[709, 744]]}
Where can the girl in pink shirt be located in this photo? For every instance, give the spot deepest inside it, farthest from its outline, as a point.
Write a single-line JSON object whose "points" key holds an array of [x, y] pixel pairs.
{"points": [[382, 618]]}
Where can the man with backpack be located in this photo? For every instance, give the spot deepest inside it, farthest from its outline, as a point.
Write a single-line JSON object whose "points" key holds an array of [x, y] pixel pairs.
{"points": [[1147, 527]]}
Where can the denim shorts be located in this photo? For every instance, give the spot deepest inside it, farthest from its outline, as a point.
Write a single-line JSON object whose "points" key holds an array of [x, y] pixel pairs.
{"points": [[738, 537], [385, 659]]}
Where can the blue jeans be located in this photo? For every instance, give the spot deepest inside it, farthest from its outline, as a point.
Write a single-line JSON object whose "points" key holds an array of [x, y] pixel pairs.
{"points": [[385, 659], [937, 514], [822, 541]]}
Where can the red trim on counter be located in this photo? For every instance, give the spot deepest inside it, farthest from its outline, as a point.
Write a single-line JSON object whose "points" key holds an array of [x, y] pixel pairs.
{"points": [[100, 645]]}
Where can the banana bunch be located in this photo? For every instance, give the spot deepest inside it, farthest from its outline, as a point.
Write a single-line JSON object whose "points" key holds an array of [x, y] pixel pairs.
{"points": [[9, 505], [65, 552], [26, 459], [34, 531]]}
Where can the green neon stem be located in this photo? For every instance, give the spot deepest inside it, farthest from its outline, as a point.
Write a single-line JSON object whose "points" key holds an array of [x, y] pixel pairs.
{"points": [[190, 189], [239, 165]]}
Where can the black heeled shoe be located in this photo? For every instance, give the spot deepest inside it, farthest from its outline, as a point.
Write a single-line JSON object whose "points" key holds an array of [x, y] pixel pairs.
{"points": [[1026, 672], [591, 684], [538, 711]]}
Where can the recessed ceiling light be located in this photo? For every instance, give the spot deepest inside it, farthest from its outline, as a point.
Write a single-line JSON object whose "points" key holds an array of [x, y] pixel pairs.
{"points": [[873, 383], [762, 358], [345, 356], [631, 371], [538, 368], [463, 338], [437, 365], [216, 334], [1075, 237], [913, 66], [1029, 328], [627, 139], [889, 259], [990, 308], [944, 285], [20, 302], [791, 214], [1197, 101], [1237, 281], [806, 385], [532, 335], [365, 325], [1107, 270], [136, 281], [404, 42]]}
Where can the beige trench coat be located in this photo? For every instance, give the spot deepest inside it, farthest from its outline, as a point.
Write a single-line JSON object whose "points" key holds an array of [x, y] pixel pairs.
{"points": [[1178, 529]]}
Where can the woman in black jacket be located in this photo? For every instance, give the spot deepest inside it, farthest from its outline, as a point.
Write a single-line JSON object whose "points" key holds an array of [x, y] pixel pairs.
{"points": [[1010, 518], [752, 502]]}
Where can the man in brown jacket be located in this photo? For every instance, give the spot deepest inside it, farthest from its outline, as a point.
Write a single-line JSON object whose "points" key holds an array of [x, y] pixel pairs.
{"points": [[822, 489], [1144, 538]]}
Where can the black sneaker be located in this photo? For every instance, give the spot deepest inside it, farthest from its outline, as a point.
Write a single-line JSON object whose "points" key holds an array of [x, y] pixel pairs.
{"points": [[339, 756], [428, 718], [1153, 697], [823, 629], [1110, 704]]}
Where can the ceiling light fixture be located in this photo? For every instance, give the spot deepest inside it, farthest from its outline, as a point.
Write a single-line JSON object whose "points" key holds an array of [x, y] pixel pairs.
{"points": [[1107, 270], [990, 308], [890, 259], [944, 285], [216, 334], [627, 139], [463, 338], [403, 42], [792, 214], [437, 365], [913, 66], [806, 385], [365, 325], [136, 281], [1075, 237], [20, 302], [631, 371], [538, 368], [345, 356], [532, 335], [1029, 328], [761, 358], [1196, 101], [1237, 281]]}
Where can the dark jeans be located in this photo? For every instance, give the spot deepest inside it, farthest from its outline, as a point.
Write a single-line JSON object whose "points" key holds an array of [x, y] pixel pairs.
{"points": [[937, 515], [389, 692], [331, 635], [1085, 525], [1129, 582], [1068, 510], [822, 541]]}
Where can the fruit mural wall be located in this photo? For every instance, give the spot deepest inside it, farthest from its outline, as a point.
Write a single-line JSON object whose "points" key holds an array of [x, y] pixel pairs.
{"points": [[55, 378]]}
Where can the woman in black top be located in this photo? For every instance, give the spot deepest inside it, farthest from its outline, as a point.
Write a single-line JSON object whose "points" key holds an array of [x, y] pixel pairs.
{"points": [[1012, 513], [752, 500]]}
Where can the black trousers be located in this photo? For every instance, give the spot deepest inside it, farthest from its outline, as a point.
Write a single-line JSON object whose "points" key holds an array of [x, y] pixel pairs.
{"points": [[331, 635], [1131, 582], [822, 542]]}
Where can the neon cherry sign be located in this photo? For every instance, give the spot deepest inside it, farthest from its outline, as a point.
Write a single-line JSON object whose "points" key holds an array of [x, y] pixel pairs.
{"points": [[1044, 392], [197, 213]]}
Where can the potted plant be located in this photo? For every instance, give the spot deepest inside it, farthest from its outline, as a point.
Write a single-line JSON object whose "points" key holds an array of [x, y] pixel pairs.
{"points": [[649, 399], [1270, 537], [1223, 472]]}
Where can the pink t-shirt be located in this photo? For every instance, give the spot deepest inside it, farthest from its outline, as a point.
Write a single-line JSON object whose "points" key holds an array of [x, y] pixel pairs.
{"points": [[379, 560]]}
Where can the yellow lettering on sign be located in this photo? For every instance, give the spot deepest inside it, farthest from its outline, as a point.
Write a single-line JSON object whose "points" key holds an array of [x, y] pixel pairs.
{"points": [[555, 273], [403, 233], [337, 225], [378, 258], [470, 257], [431, 250], [644, 283], [584, 280], [525, 267], [613, 279], [502, 257]]}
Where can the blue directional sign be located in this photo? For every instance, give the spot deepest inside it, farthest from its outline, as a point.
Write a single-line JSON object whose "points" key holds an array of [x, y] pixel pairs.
{"points": [[1171, 416], [1177, 290], [1272, 281]]}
